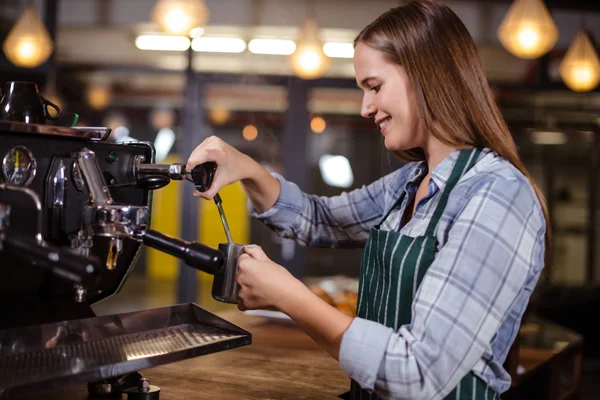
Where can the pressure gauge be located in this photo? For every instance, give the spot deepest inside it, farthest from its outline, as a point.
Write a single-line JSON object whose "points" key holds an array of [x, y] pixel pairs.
{"points": [[18, 166]]}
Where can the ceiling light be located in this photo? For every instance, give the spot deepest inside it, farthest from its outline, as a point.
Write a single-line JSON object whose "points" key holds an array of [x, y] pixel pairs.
{"points": [[162, 42], [338, 50], [250, 132], [219, 44], [197, 32], [548, 137], [28, 44], [317, 125], [283, 47], [580, 69], [219, 115], [528, 31], [99, 95], [309, 61], [179, 17]]}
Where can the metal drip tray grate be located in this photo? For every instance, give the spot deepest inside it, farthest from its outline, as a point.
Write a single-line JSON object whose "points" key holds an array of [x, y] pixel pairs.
{"points": [[93, 349]]}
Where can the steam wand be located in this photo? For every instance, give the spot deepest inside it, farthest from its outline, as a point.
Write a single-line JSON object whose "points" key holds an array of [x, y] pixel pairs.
{"points": [[202, 176]]}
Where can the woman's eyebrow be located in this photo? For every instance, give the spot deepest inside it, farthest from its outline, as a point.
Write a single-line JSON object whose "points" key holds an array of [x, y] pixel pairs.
{"points": [[365, 81]]}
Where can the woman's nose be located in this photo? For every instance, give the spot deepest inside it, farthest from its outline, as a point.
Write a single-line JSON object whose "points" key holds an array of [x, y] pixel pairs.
{"points": [[368, 109]]}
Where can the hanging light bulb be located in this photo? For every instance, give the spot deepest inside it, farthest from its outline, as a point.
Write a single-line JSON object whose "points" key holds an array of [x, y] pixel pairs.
{"points": [[580, 69], [250, 132], [528, 30], [98, 96], [318, 125], [179, 17], [162, 117], [219, 115], [309, 61], [28, 44]]}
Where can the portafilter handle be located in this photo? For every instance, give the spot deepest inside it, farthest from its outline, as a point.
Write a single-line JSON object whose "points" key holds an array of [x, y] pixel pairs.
{"points": [[61, 262], [194, 254]]}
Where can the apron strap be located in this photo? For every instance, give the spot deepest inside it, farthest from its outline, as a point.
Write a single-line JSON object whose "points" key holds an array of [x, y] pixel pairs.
{"points": [[466, 160], [397, 203]]}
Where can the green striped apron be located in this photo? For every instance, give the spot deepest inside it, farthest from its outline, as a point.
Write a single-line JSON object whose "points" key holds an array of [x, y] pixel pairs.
{"points": [[392, 268]]}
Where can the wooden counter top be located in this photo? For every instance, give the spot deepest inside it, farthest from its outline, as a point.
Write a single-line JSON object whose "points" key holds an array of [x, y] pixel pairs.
{"points": [[281, 363]]}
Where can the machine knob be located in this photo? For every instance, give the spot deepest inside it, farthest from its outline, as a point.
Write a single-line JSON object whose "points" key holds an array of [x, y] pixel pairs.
{"points": [[202, 175]]}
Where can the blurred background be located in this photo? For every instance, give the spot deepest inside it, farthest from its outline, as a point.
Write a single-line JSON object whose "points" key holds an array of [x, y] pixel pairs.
{"points": [[275, 79]]}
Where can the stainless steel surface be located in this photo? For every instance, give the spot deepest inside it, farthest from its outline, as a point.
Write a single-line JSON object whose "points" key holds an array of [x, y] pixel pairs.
{"points": [[225, 224], [225, 287], [86, 350], [175, 171], [82, 242], [60, 227], [114, 250], [4, 221], [118, 220], [92, 174], [17, 197], [84, 133], [19, 166], [77, 177], [59, 186], [79, 293], [144, 384]]}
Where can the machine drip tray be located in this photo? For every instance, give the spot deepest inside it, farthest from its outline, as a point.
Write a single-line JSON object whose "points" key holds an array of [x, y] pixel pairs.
{"points": [[42, 357]]}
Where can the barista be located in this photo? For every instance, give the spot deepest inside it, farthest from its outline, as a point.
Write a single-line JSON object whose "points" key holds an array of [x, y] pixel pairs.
{"points": [[454, 241]]}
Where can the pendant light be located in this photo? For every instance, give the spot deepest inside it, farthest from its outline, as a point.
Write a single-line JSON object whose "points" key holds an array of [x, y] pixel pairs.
{"points": [[580, 68], [528, 30], [308, 60], [179, 17], [99, 92], [28, 44]]}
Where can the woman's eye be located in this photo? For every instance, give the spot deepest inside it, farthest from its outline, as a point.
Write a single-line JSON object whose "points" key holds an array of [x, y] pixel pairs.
{"points": [[376, 88]]}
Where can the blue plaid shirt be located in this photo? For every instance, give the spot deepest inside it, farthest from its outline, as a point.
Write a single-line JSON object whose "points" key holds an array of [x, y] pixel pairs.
{"points": [[470, 303]]}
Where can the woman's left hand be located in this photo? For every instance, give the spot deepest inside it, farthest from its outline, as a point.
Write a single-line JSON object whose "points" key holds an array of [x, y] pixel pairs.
{"points": [[263, 284]]}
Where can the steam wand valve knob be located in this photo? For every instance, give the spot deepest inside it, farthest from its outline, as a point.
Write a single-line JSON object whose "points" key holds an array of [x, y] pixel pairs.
{"points": [[202, 175]]}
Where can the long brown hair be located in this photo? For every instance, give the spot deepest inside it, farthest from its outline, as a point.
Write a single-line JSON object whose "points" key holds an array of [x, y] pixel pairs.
{"points": [[453, 96]]}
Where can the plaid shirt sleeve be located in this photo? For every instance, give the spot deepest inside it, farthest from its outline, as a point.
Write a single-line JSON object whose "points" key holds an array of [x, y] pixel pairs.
{"points": [[342, 221], [489, 262]]}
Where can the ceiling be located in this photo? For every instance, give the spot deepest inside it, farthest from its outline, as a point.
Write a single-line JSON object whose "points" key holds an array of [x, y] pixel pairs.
{"points": [[95, 41]]}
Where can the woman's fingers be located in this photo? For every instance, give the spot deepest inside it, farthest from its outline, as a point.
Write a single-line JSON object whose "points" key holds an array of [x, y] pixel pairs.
{"points": [[256, 252]]}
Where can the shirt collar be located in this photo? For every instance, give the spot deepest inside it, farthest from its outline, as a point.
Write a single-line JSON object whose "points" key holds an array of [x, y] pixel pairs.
{"points": [[416, 175], [442, 172]]}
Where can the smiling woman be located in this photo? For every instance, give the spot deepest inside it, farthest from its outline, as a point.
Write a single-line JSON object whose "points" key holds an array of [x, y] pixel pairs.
{"points": [[454, 241], [388, 98]]}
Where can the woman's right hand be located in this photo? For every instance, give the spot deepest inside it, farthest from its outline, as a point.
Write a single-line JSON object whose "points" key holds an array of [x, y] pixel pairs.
{"points": [[232, 165]]}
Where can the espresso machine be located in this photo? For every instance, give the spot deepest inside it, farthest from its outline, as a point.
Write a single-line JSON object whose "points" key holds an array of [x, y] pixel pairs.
{"points": [[74, 214]]}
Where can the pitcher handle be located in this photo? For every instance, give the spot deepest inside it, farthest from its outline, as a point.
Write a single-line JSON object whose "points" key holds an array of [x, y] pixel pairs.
{"points": [[51, 104]]}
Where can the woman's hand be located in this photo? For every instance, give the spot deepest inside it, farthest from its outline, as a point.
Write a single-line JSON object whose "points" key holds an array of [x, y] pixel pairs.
{"points": [[232, 165], [263, 283], [267, 285], [260, 186]]}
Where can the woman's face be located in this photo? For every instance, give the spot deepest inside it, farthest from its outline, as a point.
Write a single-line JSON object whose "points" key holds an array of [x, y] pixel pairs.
{"points": [[388, 98]]}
